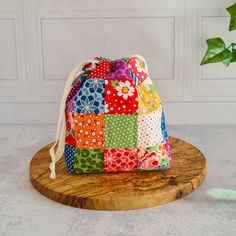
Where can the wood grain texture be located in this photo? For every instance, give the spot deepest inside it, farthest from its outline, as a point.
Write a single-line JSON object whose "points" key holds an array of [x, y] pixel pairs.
{"points": [[121, 191]]}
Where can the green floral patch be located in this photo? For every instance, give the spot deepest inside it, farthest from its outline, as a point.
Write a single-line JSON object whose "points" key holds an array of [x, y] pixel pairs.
{"points": [[88, 160], [121, 131], [165, 164], [160, 149]]}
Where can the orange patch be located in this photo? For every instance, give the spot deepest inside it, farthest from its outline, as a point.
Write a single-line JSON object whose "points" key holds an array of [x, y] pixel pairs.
{"points": [[89, 130], [160, 148]]}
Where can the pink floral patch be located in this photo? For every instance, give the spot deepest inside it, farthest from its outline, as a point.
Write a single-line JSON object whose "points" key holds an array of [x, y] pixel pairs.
{"points": [[138, 68], [148, 161]]}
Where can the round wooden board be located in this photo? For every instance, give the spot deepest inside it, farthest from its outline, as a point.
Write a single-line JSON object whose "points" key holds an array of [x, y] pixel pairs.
{"points": [[124, 190]]}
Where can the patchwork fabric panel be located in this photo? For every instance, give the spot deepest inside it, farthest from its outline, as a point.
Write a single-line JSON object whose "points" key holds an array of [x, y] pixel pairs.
{"points": [[151, 87], [138, 68], [168, 150], [119, 69], [70, 129], [88, 160], [114, 119], [161, 150], [70, 98], [163, 126], [89, 130], [120, 97], [148, 101], [69, 156], [154, 158], [120, 160], [135, 79], [121, 131], [149, 129], [101, 71], [90, 98], [148, 160]]}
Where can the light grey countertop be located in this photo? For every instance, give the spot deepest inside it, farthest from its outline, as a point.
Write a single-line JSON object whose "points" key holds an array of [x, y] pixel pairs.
{"points": [[23, 211]]}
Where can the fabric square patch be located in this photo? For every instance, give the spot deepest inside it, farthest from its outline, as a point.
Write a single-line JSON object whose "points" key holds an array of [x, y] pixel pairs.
{"points": [[167, 142], [135, 79], [154, 158], [88, 160], [138, 68], [121, 97], [119, 69], [89, 130], [148, 101], [148, 160], [121, 131], [162, 150], [70, 129], [101, 70], [90, 97], [70, 98], [149, 129], [125, 159], [163, 126], [69, 153]]}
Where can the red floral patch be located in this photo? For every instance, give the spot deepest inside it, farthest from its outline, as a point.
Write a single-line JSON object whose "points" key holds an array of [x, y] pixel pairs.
{"points": [[121, 97], [70, 139], [120, 160]]}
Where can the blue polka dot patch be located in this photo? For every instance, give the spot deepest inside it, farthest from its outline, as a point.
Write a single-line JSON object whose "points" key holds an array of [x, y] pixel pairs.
{"points": [[69, 156]]}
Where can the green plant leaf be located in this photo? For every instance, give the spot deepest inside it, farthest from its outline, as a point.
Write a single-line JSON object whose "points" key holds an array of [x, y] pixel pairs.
{"points": [[217, 52], [233, 52], [232, 12]]}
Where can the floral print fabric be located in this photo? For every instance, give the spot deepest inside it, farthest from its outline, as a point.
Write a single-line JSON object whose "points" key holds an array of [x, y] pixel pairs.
{"points": [[119, 69], [120, 160], [154, 158], [100, 72], [115, 120], [121, 97], [148, 101], [89, 130], [70, 129], [88, 160], [90, 98], [70, 98], [138, 68]]}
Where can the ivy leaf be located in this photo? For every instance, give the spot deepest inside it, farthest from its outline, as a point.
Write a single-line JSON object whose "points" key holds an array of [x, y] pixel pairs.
{"points": [[233, 52], [217, 52], [232, 12]]}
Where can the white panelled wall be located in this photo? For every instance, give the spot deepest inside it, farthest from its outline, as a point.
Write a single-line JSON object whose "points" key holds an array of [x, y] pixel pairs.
{"points": [[41, 42]]}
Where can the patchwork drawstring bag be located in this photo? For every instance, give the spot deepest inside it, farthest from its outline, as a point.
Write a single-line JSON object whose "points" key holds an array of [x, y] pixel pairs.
{"points": [[111, 119]]}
